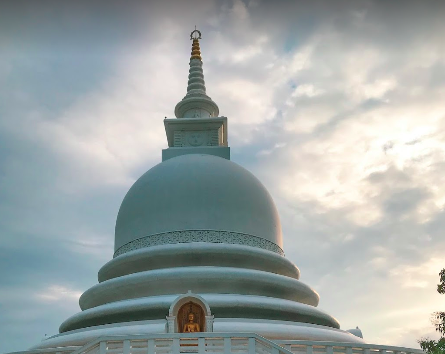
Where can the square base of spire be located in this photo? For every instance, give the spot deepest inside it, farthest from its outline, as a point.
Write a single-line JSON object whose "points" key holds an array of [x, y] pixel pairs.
{"points": [[196, 136], [196, 132], [220, 151]]}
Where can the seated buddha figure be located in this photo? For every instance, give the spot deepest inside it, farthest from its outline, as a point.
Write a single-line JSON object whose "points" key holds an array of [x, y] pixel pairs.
{"points": [[191, 325]]}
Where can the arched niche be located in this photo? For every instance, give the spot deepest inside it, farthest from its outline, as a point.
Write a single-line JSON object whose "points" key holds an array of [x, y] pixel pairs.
{"points": [[182, 306], [191, 308]]}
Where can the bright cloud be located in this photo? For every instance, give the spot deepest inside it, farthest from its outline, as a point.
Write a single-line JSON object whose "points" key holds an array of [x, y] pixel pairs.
{"points": [[58, 293]]}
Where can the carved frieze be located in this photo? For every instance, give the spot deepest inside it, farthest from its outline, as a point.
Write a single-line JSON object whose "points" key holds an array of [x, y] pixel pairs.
{"points": [[194, 138], [187, 236], [196, 132]]}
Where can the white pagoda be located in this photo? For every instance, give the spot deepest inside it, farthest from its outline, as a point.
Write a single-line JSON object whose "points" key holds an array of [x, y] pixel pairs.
{"points": [[199, 265]]}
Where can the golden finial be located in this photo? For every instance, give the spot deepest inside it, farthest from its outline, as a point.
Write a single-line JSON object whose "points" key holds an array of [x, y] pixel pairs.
{"points": [[196, 51]]}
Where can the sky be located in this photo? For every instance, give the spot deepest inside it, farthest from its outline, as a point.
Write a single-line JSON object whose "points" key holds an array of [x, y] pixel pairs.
{"points": [[336, 106]]}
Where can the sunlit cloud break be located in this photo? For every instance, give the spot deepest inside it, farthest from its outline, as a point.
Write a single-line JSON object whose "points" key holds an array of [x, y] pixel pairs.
{"points": [[58, 293]]}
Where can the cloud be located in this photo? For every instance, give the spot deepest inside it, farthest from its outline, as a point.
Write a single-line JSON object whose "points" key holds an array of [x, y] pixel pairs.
{"points": [[336, 108], [59, 293], [307, 90], [420, 275]]}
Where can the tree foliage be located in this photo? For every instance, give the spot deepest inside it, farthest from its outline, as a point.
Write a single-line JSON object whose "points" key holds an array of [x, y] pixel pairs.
{"points": [[441, 285], [438, 319], [433, 346], [439, 322]]}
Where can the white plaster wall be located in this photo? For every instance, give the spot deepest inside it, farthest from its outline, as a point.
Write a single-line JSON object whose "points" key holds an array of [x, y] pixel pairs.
{"points": [[223, 305], [197, 192], [197, 254], [267, 328], [199, 280]]}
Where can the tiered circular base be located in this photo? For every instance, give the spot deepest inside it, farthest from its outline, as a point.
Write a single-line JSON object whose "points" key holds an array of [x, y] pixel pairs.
{"points": [[248, 289], [279, 330]]}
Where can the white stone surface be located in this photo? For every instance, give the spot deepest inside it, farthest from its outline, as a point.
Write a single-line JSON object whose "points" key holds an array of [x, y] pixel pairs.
{"points": [[198, 236], [196, 132], [270, 329], [197, 254], [225, 305], [218, 343], [356, 332], [197, 192], [200, 280], [219, 151], [196, 103]]}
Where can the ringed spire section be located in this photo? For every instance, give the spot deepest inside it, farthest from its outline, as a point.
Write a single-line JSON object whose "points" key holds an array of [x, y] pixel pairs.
{"points": [[196, 103]]}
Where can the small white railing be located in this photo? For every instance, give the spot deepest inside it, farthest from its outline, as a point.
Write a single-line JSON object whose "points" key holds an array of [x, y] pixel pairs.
{"points": [[218, 343], [64, 350], [178, 343], [313, 347]]}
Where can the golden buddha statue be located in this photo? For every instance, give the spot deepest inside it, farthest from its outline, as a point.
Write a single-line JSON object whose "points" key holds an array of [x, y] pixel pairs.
{"points": [[191, 325]]}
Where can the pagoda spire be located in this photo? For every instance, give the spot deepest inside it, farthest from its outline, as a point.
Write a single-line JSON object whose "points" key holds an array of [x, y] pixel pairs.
{"points": [[196, 103]]}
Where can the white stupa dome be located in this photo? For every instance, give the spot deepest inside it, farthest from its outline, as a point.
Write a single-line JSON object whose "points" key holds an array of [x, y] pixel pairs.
{"points": [[197, 192]]}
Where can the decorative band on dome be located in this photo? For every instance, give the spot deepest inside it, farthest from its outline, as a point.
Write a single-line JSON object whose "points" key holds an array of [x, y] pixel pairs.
{"points": [[188, 236]]}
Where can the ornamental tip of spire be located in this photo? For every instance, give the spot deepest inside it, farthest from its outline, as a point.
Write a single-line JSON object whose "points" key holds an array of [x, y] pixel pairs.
{"points": [[196, 51], [196, 103]]}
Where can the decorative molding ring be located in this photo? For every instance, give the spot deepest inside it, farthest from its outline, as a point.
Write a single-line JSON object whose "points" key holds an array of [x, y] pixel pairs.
{"points": [[187, 236]]}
